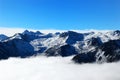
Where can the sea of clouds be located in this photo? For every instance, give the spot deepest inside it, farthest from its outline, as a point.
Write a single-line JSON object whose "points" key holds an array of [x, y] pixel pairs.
{"points": [[12, 31], [56, 68]]}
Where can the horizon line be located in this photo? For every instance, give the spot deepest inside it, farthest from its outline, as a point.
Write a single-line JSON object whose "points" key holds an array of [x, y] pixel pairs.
{"points": [[11, 31]]}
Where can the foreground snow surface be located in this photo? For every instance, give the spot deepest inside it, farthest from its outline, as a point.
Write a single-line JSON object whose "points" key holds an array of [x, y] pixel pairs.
{"points": [[56, 68]]}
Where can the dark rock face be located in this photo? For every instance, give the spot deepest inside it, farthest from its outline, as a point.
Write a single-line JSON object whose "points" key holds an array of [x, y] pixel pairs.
{"points": [[72, 37], [15, 48], [95, 41], [65, 50], [107, 52], [3, 37], [111, 50], [3, 52], [41, 49], [117, 32], [85, 57], [51, 52]]}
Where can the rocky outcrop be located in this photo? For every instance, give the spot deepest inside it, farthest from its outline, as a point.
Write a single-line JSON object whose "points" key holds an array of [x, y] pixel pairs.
{"points": [[65, 50], [3, 37], [88, 57], [107, 52], [111, 51], [87, 47], [73, 37], [94, 41], [15, 48]]}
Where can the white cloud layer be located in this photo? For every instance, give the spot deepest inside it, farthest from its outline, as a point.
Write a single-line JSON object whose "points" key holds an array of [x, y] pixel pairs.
{"points": [[56, 68], [12, 31]]}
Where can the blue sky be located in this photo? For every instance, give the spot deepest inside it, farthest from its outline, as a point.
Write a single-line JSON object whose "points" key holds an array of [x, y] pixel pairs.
{"points": [[60, 14]]}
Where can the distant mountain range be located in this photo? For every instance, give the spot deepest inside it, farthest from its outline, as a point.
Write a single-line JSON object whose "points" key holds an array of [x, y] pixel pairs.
{"points": [[86, 47]]}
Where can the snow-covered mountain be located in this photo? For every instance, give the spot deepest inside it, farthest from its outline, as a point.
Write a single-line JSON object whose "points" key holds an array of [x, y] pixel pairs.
{"points": [[3, 37], [87, 47]]}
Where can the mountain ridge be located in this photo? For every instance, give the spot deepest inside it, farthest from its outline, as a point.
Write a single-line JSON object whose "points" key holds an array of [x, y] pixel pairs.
{"points": [[68, 43]]}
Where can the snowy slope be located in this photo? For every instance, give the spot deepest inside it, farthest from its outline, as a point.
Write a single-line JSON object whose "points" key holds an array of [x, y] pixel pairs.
{"points": [[68, 43]]}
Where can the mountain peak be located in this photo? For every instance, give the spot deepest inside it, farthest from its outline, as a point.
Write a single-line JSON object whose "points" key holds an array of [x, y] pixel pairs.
{"points": [[3, 37], [25, 32], [63, 44], [31, 32]]}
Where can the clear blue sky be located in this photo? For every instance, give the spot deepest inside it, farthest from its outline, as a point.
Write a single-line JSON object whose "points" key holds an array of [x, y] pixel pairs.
{"points": [[60, 14]]}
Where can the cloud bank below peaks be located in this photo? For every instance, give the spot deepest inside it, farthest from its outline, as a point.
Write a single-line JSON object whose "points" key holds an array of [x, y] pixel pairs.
{"points": [[12, 31]]}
